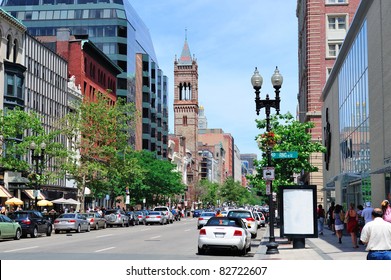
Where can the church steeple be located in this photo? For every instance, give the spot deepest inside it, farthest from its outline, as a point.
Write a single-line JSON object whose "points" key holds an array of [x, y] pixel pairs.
{"points": [[185, 58]]}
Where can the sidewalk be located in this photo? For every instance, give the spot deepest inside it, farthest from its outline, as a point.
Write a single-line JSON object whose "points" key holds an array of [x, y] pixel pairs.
{"points": [[326, 247]]}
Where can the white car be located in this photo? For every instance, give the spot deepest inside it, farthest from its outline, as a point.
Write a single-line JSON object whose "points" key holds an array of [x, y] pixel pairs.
{"points": [[262, 222], [248, 218], [205, 216], [167, 212], [228, 233]]}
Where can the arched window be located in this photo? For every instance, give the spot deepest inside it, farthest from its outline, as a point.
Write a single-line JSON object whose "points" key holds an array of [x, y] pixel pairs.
{"points": [[9, 46], [16, 45]]}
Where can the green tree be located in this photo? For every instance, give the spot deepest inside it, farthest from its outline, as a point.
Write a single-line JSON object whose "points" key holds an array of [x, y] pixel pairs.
{"points": [[98, 130], [18, 129], [211, 192], [233, 193], [159, 182], [292, 136]]}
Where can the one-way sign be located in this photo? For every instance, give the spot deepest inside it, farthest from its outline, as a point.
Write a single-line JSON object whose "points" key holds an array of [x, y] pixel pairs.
{"points": [[277, 155]]}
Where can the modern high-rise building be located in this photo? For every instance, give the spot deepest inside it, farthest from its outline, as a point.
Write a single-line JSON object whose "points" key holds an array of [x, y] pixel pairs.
{"points": [[356, 112], [116, 29], [322, 27]]}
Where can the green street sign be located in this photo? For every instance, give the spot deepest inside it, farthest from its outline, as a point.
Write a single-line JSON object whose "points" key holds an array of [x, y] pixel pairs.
{"points": [[277, 155]]}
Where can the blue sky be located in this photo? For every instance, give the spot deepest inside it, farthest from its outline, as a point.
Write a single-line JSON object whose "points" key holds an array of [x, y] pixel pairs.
{"points": [[229, 39]]}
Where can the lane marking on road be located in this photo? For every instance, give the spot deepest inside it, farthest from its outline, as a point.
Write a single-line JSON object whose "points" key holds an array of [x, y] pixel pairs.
{"points": [[101, 250], [145, 229], [21, 249], [187, 229], [106, 235], [154, 237]]}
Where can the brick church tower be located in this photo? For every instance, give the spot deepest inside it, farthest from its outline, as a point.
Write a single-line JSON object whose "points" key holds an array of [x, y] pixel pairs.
{"points": [[186, 113]]}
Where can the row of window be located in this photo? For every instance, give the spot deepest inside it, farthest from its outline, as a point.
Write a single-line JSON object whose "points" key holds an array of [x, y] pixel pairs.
{"points": [[56, 2], [92, 31], [69, 14]]}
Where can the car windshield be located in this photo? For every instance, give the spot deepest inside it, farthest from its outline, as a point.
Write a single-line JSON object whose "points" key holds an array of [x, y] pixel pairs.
{"points": [[67, 216], [222, 221], [108, 212], [18, 216], [160, 209], [239, 214], [154, 213], [208, 214]]}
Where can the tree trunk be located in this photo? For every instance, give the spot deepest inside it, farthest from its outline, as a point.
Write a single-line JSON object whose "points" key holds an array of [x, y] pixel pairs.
{"points": [[80, 195]]}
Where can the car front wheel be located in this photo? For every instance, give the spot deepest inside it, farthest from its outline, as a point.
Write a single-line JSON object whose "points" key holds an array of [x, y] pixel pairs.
{"points": [[49, 231], [18, 234]]}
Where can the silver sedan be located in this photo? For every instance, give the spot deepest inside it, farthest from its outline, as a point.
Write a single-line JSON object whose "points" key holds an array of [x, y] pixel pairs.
{"points": [[71, 222], [96, 220], [156, 217]]}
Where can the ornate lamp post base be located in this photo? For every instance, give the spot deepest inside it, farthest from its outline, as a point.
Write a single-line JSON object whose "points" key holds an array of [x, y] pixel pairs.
{"points": [[272, 248]]}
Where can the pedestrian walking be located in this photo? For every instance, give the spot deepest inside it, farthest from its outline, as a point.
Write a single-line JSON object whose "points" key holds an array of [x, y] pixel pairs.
{"points": [[338, 216], [361, 223], [367, 212], [376, 234], [320, 216], [352, 224], [386, 208], [330, 217]]}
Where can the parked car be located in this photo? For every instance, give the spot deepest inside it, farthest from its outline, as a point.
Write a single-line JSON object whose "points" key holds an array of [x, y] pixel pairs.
{"points": [[224, 213], [116, 217], [32, 222], [133, 218], [96, 220], [205, 216], [71, 222], [9, 228], [141, 215], [156, 217], [197, 213], [248, 218], [229, 233], [166, 211], [262, 219]]}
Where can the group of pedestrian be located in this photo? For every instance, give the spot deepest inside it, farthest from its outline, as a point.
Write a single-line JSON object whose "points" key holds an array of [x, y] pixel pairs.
{"points": [[369, 226]]}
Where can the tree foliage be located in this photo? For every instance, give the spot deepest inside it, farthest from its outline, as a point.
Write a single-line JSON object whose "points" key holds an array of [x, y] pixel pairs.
{"points": [[18, 129], [159, 181], [99, 130], [294, 136]]}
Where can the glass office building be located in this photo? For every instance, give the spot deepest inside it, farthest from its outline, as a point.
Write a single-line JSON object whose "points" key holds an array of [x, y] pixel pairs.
{"points": [[354, 120], [112, 25]]}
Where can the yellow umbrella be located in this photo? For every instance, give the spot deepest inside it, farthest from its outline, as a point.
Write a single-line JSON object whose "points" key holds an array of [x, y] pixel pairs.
{"points": [[44, 202], [14, 201]]}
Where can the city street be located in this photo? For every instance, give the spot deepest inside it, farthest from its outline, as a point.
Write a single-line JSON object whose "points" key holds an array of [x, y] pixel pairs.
{"points": [[177, 241]]}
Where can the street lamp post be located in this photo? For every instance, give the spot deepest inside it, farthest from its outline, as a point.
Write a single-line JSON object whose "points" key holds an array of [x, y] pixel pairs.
{"points": [[37, 160], [256, 81]]}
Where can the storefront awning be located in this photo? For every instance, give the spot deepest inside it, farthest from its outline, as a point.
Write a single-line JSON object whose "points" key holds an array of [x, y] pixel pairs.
{"points": [[4, 192], [381, 170], [30, 194]]}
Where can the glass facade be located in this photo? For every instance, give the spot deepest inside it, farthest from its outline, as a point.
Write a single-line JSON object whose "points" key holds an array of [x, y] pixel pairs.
{"points": [[112, 25], [354, 118]]}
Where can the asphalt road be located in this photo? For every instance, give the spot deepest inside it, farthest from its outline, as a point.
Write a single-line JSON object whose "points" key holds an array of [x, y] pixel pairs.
{"points": [[177, 241]]}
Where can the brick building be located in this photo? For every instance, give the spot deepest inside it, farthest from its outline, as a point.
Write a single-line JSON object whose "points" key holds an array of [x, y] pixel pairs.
{"points": [[322, 26]]}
